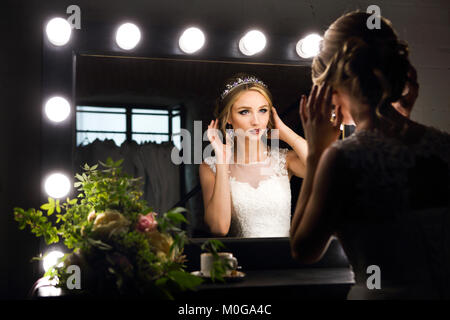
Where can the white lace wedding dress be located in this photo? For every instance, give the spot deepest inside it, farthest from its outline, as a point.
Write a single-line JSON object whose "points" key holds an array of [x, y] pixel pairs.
{"points": [[260, 196]]}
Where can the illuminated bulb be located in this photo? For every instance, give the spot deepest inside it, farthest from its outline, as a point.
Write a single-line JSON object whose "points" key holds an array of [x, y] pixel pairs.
{"points": [[51, 259], [49, 291], [58, 31], [46, 286], [253, 42], [57, 109], [309, 46], [57, 185], [128, 36], [191, 40]]}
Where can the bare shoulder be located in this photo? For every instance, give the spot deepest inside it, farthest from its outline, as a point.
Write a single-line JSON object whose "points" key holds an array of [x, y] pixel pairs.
{"points": [[328, 172], [329, 159], [295, 165], [205, 169], [331, 153]]}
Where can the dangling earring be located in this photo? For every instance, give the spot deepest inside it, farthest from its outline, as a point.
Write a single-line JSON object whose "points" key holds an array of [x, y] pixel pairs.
{"points": [[230, 131], [333, 114]]}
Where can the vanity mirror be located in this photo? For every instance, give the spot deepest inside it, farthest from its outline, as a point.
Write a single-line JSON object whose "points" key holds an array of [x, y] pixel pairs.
{"points": [[121, 99], [135, 107]]}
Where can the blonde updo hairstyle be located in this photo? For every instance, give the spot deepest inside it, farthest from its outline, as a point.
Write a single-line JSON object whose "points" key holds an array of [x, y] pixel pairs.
{"points": [[223, 106], [371, 64]]}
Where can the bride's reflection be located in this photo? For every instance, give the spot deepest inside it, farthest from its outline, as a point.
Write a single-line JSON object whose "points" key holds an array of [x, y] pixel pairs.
{"points": [[246, 185], [153, 93]]}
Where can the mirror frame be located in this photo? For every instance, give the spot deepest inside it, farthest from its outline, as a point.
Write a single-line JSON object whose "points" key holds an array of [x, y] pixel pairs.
{"points": [[59, 72]]}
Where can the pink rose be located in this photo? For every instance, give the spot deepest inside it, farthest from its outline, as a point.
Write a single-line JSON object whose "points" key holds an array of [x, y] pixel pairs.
{"points": [[147, 223]]}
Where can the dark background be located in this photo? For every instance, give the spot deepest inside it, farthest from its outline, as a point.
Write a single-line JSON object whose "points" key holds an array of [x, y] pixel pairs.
{"points": [[425, 25]]}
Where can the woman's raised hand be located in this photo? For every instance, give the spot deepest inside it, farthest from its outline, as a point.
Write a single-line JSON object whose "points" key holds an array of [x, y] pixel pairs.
{"points": [[316, 112], [223, 152], [279, 124]]}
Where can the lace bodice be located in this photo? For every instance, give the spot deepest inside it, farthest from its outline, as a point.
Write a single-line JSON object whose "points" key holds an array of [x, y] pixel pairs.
{"points": [[397, 216], [260, 196], [381, 169]]}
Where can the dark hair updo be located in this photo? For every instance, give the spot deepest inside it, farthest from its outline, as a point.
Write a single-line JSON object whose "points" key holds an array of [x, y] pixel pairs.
{"points": [[372, 64]]}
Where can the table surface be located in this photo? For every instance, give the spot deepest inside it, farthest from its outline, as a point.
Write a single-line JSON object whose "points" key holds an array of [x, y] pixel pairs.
{"points": [[289, 277], [273, 280]]}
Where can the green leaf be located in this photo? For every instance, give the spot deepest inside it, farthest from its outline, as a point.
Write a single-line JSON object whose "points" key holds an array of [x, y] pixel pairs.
{"points": [[104, 164], [176, 217], [212, 245], [51, 210], [218, 270], [118, 163], [178, 210], [39, 258], [99, 244], [161, 281], [184, 279], [19, 210], [109, 162], [45, 206]]}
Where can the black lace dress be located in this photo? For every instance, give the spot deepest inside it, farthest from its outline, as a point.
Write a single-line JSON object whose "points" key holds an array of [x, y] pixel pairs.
{"points": [[397, 216]]}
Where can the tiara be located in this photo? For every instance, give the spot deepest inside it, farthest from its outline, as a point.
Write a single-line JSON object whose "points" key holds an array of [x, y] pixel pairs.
{"points": [[240, 81]]}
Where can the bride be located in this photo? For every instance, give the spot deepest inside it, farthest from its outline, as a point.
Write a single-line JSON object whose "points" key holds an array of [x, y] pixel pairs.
{"points": [[245, 186]]}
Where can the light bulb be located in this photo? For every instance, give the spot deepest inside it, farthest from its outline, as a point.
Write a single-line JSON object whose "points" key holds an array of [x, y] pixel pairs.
{"points": [[253, 42], [51, 259], [309, 46], [191, 40], [57, 185], [57, 109], [58, 31], [128, 36]]}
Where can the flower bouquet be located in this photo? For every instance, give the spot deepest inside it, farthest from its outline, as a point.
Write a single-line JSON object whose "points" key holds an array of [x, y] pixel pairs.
{"points": [[115, 240]]}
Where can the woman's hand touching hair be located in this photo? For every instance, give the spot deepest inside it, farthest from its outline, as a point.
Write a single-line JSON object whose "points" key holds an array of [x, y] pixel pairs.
{"points": [[223, 151], [321, 130]]}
